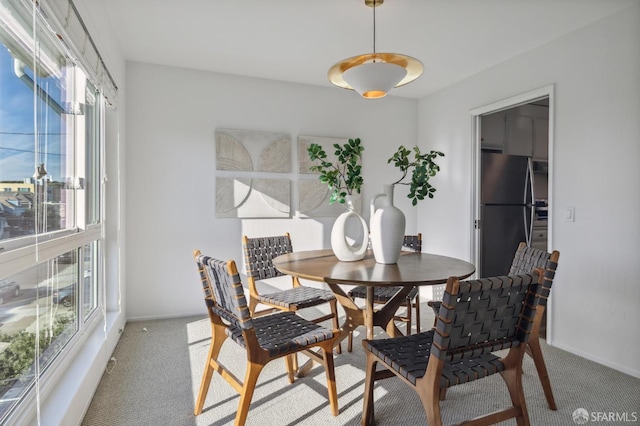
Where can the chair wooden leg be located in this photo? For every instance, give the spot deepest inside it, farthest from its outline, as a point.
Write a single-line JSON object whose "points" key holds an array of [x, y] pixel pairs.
{"points": [[431, 405], [217, 339], [350, 342], [416, 304], [249, 385], [534, 350], [289, 360], [369, 381], [408, 317], [428, 389], [512, 376], [204, 385], [336, 323], [327, 355]]}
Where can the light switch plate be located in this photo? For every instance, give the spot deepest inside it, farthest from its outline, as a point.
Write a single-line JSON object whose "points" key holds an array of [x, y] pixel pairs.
{"points": [[569, 214]]}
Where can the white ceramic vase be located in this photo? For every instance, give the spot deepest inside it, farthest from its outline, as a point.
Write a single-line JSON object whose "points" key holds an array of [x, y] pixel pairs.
{"points": [[387, 227], [343, 249]]}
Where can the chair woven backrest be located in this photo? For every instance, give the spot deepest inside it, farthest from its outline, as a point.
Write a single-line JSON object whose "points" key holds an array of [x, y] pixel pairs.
{"points": [[485, 315], [260, 252], [223, 292], [527, 259], [413, 242]]}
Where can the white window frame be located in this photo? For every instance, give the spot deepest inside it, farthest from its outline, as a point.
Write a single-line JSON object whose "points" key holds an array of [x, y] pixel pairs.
{"points": [[26, 252]]}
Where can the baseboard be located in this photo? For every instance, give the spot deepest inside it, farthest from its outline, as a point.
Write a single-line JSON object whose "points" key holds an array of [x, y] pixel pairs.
{"points": [[602, 361], [202, 312]]}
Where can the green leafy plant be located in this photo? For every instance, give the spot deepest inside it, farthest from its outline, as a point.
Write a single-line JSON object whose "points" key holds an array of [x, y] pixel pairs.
{"points": [[344, 177], [422, 168], [19, 355]]}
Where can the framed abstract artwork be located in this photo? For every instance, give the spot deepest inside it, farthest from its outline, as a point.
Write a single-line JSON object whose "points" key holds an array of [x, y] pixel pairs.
{"points": [[245, 163], [252, 150], [253, 198]]}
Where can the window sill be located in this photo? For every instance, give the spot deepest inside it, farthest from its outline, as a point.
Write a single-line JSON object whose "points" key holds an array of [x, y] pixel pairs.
{"points": [[67, 393]]}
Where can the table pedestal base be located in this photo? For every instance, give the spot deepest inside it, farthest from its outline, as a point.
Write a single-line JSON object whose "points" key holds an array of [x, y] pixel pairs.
{"points": [[369, 317], [356, 317]]}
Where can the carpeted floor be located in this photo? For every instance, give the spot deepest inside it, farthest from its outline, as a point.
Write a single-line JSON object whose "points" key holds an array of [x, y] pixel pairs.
{"points": [[158, 365]]}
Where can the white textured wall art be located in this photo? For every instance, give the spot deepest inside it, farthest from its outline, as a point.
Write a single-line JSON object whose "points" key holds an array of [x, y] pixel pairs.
{"points": [[253, 198], [248, 153], [252, 150]]}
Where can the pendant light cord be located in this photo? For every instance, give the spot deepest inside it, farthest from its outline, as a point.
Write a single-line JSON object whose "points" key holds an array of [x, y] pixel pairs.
{"points": [[374, 28]]}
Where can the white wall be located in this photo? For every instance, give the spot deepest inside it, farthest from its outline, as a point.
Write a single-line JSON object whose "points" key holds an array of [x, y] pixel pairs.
{"points": [[171, 122], [164, 162], [596, 73]]}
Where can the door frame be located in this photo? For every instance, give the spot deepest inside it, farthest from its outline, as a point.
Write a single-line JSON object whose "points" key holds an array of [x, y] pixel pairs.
{"points": [[475, 115]]}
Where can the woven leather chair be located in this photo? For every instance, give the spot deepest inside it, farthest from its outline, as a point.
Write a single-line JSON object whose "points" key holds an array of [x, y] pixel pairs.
{"points": [[258, 258], [526, 260], [382, 295], [477, 318], [265, 338]]}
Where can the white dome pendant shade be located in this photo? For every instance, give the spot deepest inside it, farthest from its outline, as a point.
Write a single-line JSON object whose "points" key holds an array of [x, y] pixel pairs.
{"points": [[377, 68], [373, 75], [374, 79]]}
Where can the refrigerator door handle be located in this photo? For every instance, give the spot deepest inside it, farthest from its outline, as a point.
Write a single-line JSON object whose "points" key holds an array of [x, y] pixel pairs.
{"points": [[532, 200], [528, 227]]}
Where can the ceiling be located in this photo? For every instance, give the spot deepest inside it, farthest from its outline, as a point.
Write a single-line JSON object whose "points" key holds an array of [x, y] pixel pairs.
{"points": [[298, 40]]}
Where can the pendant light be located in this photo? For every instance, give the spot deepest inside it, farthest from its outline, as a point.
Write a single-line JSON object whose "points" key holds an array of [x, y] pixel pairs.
{"points": [[373, 75]]}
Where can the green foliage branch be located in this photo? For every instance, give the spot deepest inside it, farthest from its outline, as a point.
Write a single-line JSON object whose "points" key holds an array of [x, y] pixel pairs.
{"points": [[345, 176], [422, 168], [19, 355]]}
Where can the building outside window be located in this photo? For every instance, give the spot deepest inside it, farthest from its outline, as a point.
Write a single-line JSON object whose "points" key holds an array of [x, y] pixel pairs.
{"points": [[51, 165]]}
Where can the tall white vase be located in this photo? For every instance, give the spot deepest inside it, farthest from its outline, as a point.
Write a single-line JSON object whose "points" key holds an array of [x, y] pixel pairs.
{"points": [[387, 227], [343, 249]]}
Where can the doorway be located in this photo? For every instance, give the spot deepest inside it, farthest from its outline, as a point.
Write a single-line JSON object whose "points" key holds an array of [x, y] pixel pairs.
{"points": [[512, 172]]}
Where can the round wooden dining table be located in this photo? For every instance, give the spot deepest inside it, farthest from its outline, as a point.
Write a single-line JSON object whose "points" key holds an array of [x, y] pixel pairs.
{"points": [[412, 269]]}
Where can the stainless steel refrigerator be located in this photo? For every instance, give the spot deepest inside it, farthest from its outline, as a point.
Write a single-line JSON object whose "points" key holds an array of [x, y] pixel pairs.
{"points": [[506, 210]]}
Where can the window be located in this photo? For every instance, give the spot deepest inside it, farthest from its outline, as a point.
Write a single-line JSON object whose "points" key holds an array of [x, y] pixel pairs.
{"points": [[50, 209]]}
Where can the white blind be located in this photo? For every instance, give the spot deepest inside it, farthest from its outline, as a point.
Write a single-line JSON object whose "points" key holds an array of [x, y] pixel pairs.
{"points": [[17, 34], [70, 28]]}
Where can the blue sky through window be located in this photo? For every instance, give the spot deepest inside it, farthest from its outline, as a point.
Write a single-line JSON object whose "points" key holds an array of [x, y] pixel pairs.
{"points": [[17, 136]]}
